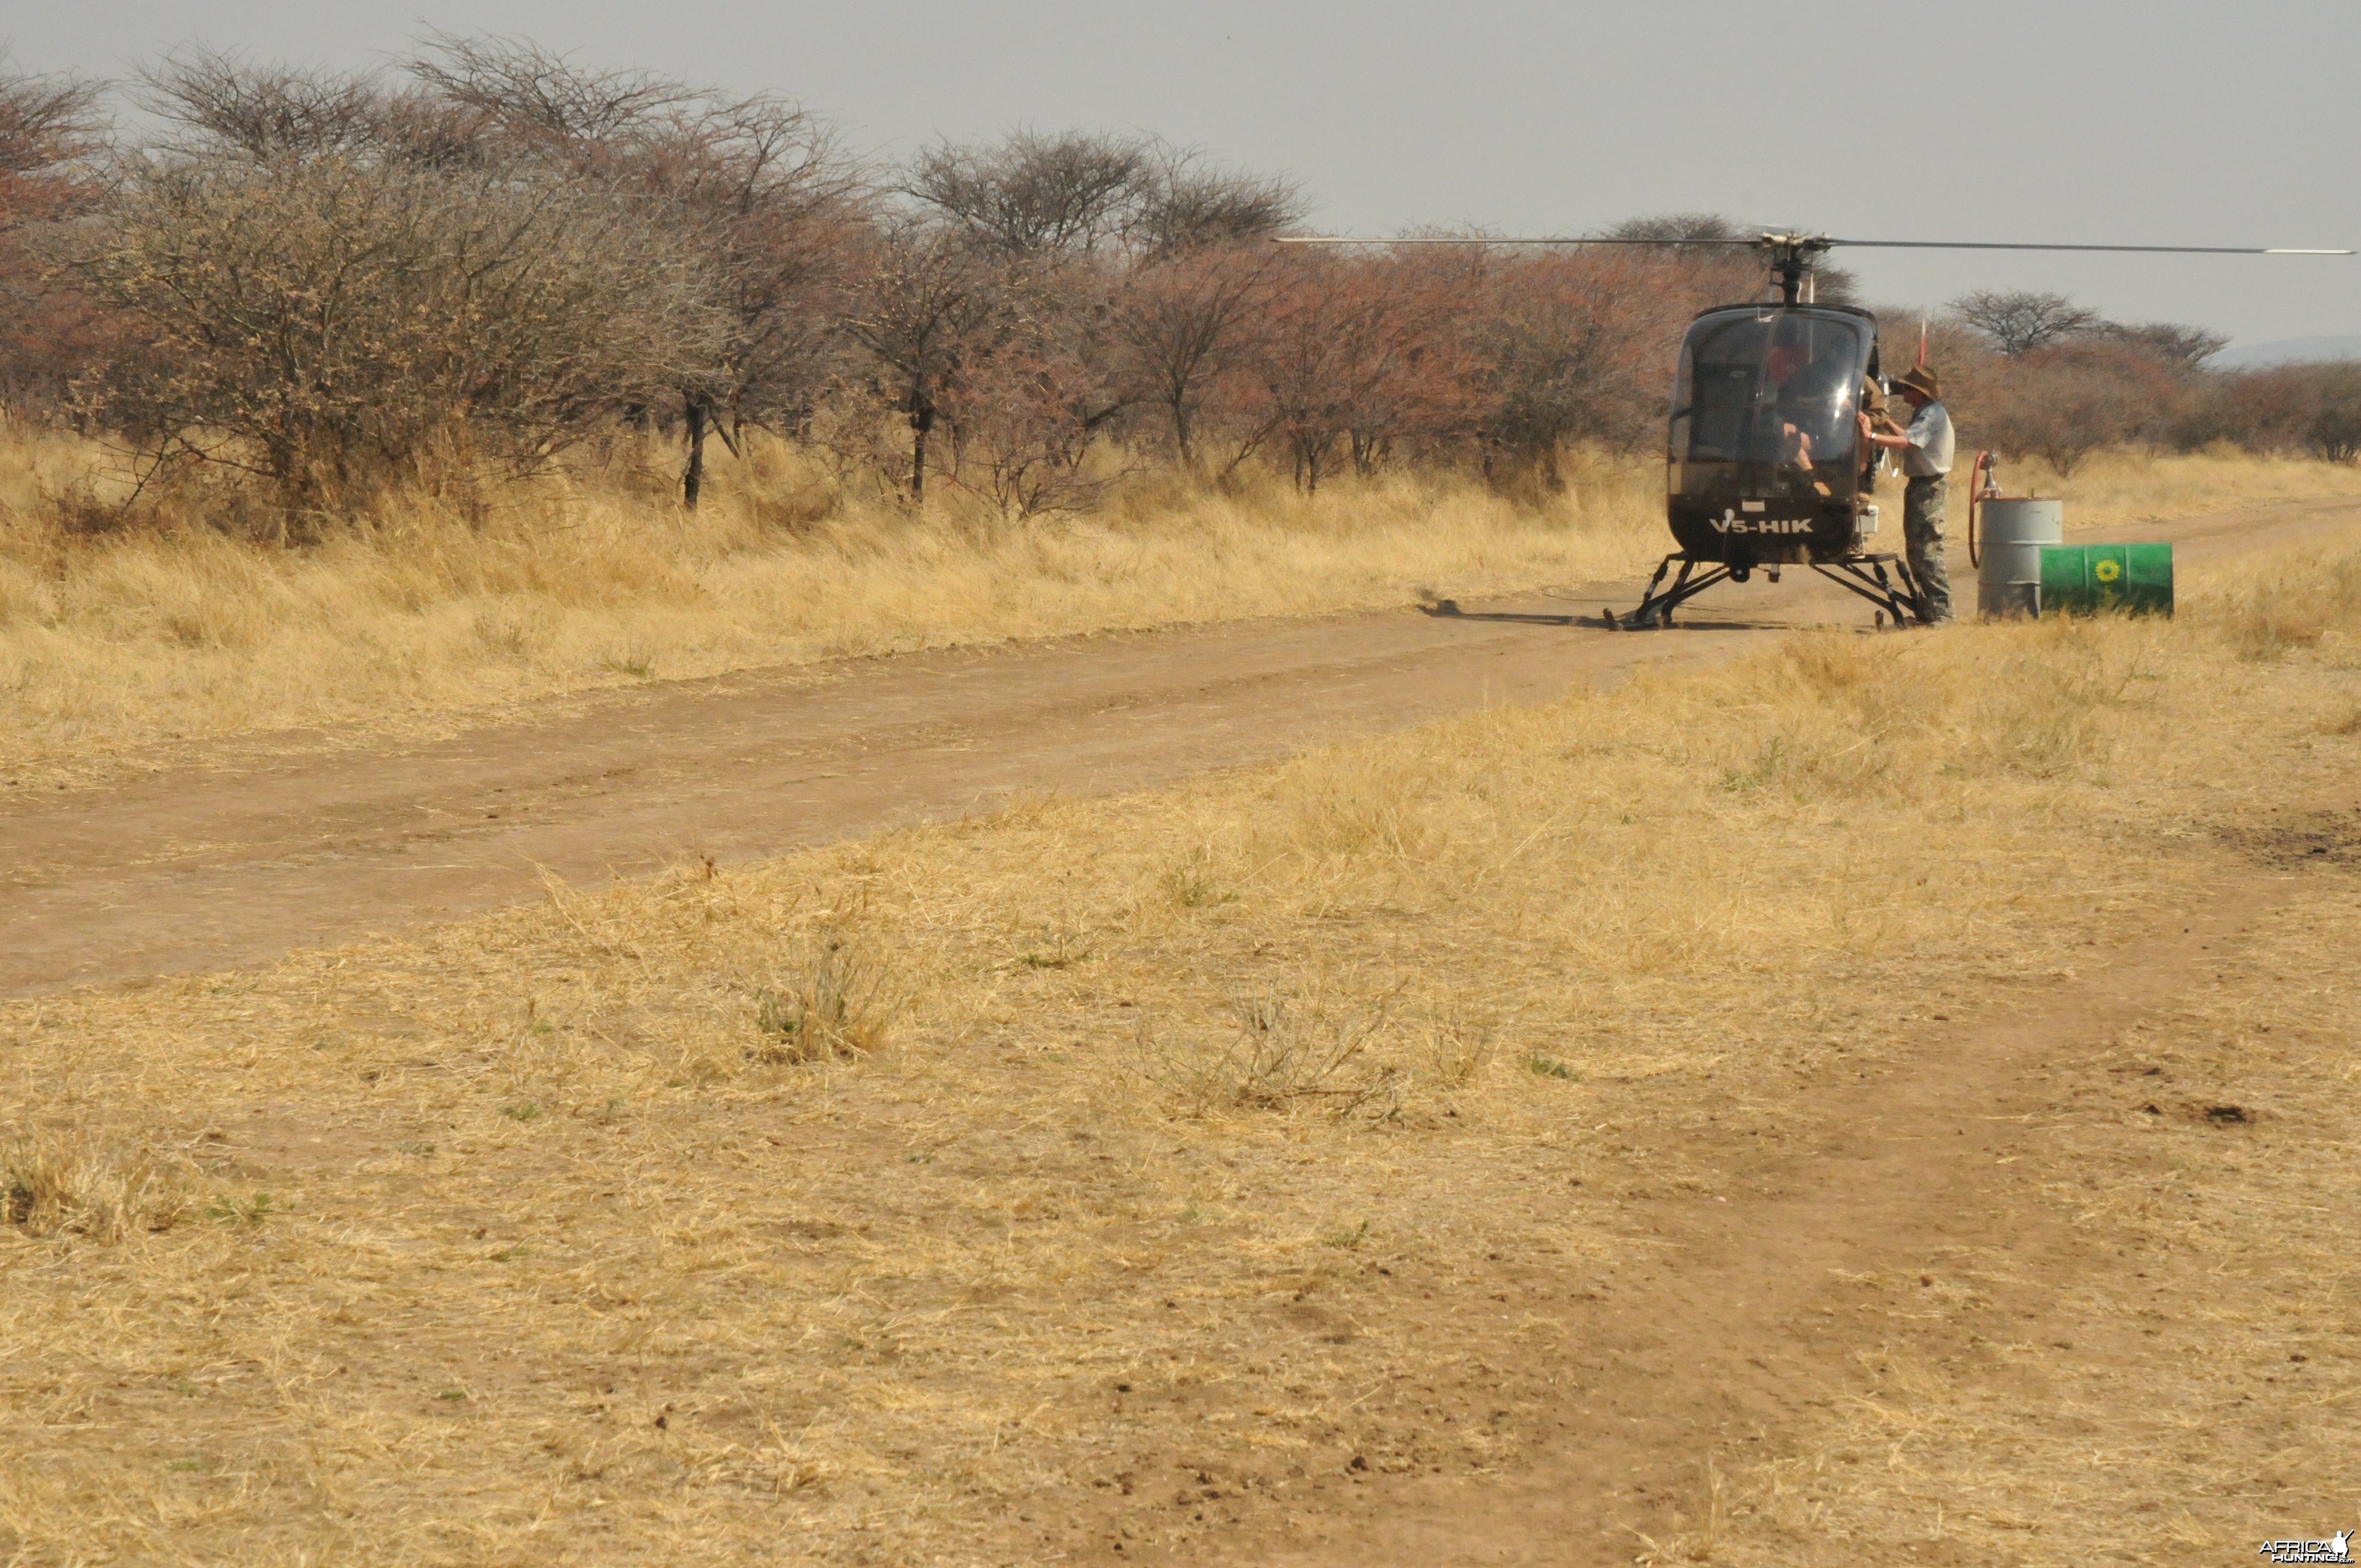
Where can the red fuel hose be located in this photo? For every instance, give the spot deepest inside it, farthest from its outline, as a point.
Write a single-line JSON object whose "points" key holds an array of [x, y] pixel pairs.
{"points": [[1976, 494]]}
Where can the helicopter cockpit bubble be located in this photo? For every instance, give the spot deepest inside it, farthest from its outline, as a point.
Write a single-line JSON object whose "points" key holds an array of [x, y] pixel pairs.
{"points": [[1764, 461]]}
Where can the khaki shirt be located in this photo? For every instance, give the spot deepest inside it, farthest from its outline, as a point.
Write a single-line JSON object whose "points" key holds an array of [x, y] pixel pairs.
{"points": [[1929, 455]]}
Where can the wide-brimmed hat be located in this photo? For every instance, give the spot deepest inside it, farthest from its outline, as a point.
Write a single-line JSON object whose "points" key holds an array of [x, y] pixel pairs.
{"points": [[1920, 379], [1872, 396]]}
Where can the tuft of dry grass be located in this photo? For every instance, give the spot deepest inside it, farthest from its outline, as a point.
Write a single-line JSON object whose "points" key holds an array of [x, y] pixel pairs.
{"points": [[1288, 1049], [563, 1264], [59, 1184], [831, 999], [2294, 601]]}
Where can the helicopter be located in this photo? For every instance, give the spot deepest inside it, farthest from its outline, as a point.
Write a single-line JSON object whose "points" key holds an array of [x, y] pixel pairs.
{"points": [[1762, 464]]}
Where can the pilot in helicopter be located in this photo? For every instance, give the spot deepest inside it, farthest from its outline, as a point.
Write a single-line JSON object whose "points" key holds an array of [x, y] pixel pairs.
{"points": [[1801, 389]]}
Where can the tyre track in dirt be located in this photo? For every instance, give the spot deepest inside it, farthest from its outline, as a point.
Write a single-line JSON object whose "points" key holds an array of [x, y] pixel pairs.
{"points": [[231, 854], [1751, 1315]]}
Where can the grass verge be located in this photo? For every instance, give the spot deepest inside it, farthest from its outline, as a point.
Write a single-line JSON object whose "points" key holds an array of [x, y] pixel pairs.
{"points": [[114, 644]]}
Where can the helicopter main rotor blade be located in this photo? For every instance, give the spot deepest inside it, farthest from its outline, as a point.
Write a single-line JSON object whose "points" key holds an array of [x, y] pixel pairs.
{"points": [[2169, 249], [1490, 239], [1816, 242]]}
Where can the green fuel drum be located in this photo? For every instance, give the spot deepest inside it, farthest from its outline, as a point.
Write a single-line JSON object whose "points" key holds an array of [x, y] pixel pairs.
{"points": [[2081, 580]]}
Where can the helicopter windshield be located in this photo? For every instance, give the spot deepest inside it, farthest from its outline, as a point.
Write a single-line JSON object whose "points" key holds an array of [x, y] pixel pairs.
{"points": [[1769, 387]]}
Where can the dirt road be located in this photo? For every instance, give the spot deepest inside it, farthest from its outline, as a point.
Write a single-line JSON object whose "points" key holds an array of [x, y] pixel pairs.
{"points": [[234, 854]]}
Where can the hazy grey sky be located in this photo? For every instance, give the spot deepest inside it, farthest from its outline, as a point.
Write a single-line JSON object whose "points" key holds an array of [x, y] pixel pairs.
{"points": [[2172, 121]]}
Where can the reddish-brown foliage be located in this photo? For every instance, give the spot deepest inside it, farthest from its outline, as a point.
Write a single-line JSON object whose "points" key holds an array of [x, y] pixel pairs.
{"points": [[1035, 309], [1578, 346], [49, 127], [1356, 355]]}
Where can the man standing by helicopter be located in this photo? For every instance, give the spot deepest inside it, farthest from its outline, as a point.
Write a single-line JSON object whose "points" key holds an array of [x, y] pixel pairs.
{"points": [[1925, 448]]}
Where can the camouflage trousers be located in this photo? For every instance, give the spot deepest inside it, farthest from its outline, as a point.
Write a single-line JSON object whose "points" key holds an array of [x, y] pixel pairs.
{"points": [[1924, 501]]}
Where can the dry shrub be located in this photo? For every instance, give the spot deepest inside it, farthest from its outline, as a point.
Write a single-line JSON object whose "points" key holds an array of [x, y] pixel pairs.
{"points": [[1340, 810], [834, 1001], [1292, 1049], [1192, 879], [1828, 665], [384, 304], [61, 1184], [2044, 708], [1336, 829], [1835, 717], [1459, 1047]]}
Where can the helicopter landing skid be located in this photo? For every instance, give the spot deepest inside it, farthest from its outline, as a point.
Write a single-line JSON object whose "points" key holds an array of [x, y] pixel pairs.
{"points": [[1656, 608], [1865, 575], [1896, 595]]}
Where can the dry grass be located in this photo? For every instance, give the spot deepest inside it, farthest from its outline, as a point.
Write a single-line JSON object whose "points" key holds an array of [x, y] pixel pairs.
{"points": [[2136, 486], [54, 1184], [2292, 601], [115, 643], [119, 646], [995, 1190], [2189, 1394]]}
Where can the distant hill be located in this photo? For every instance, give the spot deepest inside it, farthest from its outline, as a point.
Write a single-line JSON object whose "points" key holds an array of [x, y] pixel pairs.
{"points": [[2285, 351]]}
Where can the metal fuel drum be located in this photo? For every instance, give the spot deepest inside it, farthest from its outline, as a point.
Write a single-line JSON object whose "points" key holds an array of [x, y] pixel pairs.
{"points": [[2008, 579], [2083, 579]]}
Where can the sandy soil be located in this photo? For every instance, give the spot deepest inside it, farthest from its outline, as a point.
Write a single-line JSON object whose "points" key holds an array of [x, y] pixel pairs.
{"points": [[229, 853], [1814, 1240]]}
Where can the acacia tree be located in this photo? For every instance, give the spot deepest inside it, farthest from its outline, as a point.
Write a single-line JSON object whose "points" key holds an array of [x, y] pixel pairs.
{"points": [[2064, 402], [2019, 321], [1091, 193], [1184, 202], [51, 128], [2313, 408], [328, 310], [779, 215], [934, 307], [1190, 323], [1416, 387], [1113, 233], [1030, 193], [1573, 347], [214, 106], [760, 189], [2182, 347], [1015, 441], [2334, 431], [1354, 354]]}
